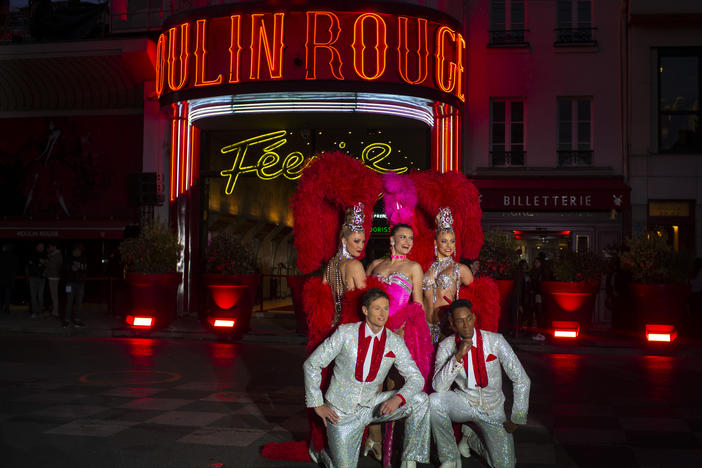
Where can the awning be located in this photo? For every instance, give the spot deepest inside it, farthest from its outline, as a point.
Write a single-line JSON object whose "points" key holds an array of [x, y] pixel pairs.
{"points": [[553, 194], [63, 229], [87, 76]]}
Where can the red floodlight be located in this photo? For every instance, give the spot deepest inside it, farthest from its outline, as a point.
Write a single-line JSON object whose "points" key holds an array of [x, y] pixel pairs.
{"points": [[661, 333], [565, 329], [222, 322], [140, 321]]}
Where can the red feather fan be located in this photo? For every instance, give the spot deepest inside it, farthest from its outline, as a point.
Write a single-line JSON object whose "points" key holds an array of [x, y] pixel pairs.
{"points": [[329, 185], [453, 190], [485, 297]]}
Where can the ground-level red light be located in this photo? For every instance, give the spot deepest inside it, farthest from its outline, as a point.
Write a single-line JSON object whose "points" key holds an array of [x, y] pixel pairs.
{"points": [[661, 333], [140, 321], [223, 323], [565, 329]]}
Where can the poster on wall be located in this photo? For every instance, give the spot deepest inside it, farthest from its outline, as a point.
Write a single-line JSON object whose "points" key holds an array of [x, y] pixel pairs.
{"points": [[69, 167]]}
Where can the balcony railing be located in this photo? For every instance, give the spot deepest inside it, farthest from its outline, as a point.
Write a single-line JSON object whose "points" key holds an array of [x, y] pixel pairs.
{"points": [[508, 38], [575, 158], [575, 36], [507, 158]]}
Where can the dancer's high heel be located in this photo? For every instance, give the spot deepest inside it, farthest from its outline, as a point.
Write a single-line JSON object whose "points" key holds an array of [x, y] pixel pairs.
{"points": [[374, 448]]}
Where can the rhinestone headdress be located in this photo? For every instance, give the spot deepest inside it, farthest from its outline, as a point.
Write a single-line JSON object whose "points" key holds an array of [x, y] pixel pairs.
{"points": [[354, 223], [444, 220]]}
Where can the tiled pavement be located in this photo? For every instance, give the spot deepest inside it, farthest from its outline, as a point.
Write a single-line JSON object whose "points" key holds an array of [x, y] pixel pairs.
{"points": [[586, 410]]}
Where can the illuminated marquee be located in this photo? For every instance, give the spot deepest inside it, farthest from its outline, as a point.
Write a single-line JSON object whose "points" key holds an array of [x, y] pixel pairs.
{"points": [[268, 166], [311, 45]]}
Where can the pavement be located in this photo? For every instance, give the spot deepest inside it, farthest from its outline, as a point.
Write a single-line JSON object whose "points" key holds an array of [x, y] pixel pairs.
{"points": [[274, 323], [106, 395]]}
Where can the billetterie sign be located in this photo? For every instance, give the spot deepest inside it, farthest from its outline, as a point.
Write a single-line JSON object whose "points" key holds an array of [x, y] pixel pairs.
{"points": [[312, 45]]}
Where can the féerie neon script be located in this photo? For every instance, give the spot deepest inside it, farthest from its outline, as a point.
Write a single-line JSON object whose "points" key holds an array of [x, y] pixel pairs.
{"points": [[269, 166]]}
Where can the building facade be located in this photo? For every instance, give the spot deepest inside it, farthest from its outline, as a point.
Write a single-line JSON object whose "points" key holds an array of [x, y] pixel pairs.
{"points": [[663, 134], [544, 121]]}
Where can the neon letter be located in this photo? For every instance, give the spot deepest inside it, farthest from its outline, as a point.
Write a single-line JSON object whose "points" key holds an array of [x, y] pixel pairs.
{"points": [[274, 53], [403, 50], [234, 48], [460, 76], [374, 154], [312, 44], [183, 57], [444, 83], [160, 64], [240, 149], [201, 56], [381, 46]]}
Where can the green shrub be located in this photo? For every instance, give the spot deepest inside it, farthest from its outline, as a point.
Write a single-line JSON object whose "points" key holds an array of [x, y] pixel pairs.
{"points": [[156, 250]]}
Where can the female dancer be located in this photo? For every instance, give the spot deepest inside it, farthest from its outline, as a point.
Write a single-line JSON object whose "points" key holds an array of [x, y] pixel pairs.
{"points": [[344, 272], [402, 281], [445, 276]]}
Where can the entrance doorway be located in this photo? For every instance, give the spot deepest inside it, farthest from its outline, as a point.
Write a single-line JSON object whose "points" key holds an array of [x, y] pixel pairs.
{"points": [[542, 243]]}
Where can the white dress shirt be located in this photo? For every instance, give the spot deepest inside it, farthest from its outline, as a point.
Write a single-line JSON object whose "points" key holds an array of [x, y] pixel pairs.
{"points": [[469, 359], [369, 354]]}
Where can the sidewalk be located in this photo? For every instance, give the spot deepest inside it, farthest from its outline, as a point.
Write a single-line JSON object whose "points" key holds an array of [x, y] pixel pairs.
{"points": [[275, 323]]}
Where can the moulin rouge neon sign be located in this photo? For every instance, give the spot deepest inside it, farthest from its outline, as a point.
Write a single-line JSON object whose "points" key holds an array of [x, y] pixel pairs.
{"points": [[271, 165], [311, 45]]}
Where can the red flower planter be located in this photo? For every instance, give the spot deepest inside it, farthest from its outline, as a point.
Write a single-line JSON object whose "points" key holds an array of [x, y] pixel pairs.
{"points": [[233, 296], [659, 303], [225, 290], [570, 301], [296, 283], [154, 295]]}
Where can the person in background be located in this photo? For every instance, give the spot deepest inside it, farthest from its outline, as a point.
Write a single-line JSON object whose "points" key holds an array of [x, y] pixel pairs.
{"points": [[474, 266], [8, 273], [75, 286], [537, 275], [35, 273], [54, 263]]}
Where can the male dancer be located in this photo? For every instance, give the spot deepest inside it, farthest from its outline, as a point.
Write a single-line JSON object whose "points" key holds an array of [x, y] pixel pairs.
{"points": [[363, 354], [471, 359]]}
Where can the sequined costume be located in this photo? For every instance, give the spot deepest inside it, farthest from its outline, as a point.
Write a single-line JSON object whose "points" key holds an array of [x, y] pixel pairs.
{"points": [[409, 315], [483, 406], [357, 402], [438, 278]]}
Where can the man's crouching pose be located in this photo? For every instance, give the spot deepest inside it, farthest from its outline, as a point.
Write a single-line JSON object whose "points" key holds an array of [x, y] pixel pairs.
{"points": [[471, 359], [363, 354]]}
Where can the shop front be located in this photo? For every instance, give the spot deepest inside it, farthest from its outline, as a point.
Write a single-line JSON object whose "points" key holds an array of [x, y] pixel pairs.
{"points": [[254, 91], [553, 213]]}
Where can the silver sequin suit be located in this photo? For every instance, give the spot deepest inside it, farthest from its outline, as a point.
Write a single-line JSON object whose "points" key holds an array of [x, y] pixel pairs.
{"points": [[483, 406], [357, 403]]}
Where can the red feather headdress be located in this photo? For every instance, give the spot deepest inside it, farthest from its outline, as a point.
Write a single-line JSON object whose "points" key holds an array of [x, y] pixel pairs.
{"points": [[452, 190]]}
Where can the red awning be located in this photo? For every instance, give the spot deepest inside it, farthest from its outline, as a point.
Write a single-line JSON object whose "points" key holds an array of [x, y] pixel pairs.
{"points": [[553, 194], [62, 229]]}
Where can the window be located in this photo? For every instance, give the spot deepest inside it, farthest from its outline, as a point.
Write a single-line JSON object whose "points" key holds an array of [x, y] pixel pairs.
{"points": [[507, 23], [507, 142], [574, 23], [575, 131], [679, 90]]}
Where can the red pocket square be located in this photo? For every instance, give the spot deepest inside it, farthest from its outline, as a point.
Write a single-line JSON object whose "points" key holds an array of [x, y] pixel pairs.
{"points": [[390, 354], [491, 357]]}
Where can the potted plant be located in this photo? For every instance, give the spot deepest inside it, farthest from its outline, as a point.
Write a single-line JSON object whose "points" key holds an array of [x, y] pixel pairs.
{"points": [[232, 278], [658, 287], [151, 261], [570, 296], [499, 258]]}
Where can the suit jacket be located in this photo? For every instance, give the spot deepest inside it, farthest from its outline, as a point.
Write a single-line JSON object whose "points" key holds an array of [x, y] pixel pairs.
{"points": [[497, 352], [345, 391]]}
